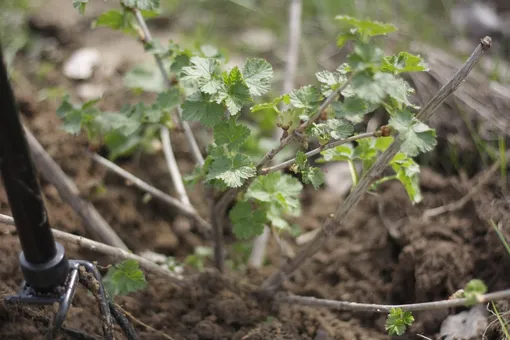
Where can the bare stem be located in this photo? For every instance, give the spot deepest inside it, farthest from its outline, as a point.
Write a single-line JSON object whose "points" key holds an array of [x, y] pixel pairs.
{"points": [[186, 210], [331, 224], [367, 307], [114, 253], [316, 151], [259, 248], [147, 38], [96, 225], [293, 50], [172, 166]]}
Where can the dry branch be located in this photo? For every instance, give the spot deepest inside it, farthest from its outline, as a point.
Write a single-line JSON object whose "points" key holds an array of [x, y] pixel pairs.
{"points": [[94, 222], [343, 211], [367, 307], [114, 253], [296, 7], [186, 210]]}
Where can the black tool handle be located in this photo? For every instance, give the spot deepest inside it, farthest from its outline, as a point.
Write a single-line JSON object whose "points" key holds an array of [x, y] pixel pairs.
{"points": [[20, 180]]}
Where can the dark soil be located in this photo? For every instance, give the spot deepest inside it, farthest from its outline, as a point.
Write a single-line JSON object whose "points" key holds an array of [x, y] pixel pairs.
{"points": [[385, 253]]}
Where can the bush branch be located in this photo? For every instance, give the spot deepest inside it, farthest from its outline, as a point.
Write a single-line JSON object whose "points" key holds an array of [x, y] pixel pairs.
{"points": [[173, 168], [187, 210], [296, 7], [316, 151], [147, 38], [114, 253], [343, 211], [367, 307]]}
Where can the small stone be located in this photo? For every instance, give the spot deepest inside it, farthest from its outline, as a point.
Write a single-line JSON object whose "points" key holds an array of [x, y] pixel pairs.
{"points": [[89, 91], [81, 64], [467, 325]]}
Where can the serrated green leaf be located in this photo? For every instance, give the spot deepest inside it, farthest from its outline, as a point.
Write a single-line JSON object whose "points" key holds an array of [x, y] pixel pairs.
{"points": [[343, 152], [307, 97], [330, 81], [397, 321], [280, 189], [124, 278], [205, 73], [353, 109], [474, 288], [230, 134], [247, 222], [407, 172], [404, 62], [199, 108], [257, 74], [370, 88], [416, 137], [120, 145], [313, 176], [80, 5], [146, 77], [234, 92], [367, 28], [110, 121], [142, 4], [233, 171], [165, 103], [181, 60], [332, 129], [116, 20], [365, 56]]}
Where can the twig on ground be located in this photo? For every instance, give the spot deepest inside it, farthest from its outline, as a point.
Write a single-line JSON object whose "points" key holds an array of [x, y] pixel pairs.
{"points": [[453, 206], [293, 48], [141, 323], [367, 307], [259, 248], [147, 38], [316, 151], [114, 253], [339, 217], [173, 168], [94, 222], [186, 210]]}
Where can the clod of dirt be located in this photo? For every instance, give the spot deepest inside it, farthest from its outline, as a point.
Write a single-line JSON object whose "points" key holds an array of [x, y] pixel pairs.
{"points": [[466, 325], [81, 64]]}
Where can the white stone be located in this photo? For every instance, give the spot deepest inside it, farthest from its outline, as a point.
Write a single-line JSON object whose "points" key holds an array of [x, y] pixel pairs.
{"points": [[81, 64]]}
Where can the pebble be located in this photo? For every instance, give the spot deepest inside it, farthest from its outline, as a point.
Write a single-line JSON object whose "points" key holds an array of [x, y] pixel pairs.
{"points": [[81, 64]]}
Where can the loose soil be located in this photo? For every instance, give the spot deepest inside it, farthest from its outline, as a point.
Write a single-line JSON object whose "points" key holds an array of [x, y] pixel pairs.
{"points": [[385, 253]]}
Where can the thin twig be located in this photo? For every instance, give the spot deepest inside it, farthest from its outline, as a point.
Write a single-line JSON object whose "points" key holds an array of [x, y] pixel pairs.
{"points": [[147, 38], [141, 323], [367, 307], [293, 48], [172, 166], [316, 151], [459, 204], [259, 248], [114, 253], [331, 224], [94, 222], [186, 210]]}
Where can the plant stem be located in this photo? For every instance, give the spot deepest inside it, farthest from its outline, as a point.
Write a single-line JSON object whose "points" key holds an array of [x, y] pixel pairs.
{"points": [[147, 38], [367, 307], [293, 48], [186, 210], [331, 224], [114, 253], [316, 151], [259, 248], [354, 173], [173, 168], [96, 225]]}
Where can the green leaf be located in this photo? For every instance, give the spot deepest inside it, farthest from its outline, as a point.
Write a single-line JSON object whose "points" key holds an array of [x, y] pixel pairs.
{"points": [[366, 28], [307, 97], [353, 109], [116, 20], [279, 189], [165, 103], [199, 108], [141, 4], [80, 5], [205, 73], [180, 61], [397, 321], [120, 145], [124, 278], [404, 62], [313, 176], [257, 74], [235, 92], [365, 56], [247, 222], [473, 290], [416, 137], [109, 121], [407, 172], [332, 129], [230, 134], [370, 88], [343, 152], [233, 171], [146, 77]]}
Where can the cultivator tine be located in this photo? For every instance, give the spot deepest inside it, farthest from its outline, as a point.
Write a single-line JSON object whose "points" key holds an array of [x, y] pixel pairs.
{"points": [[49, 277]]}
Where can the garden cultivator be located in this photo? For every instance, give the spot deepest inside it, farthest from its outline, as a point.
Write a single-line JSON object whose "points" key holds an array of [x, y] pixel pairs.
{"points": [[49, 276]]}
